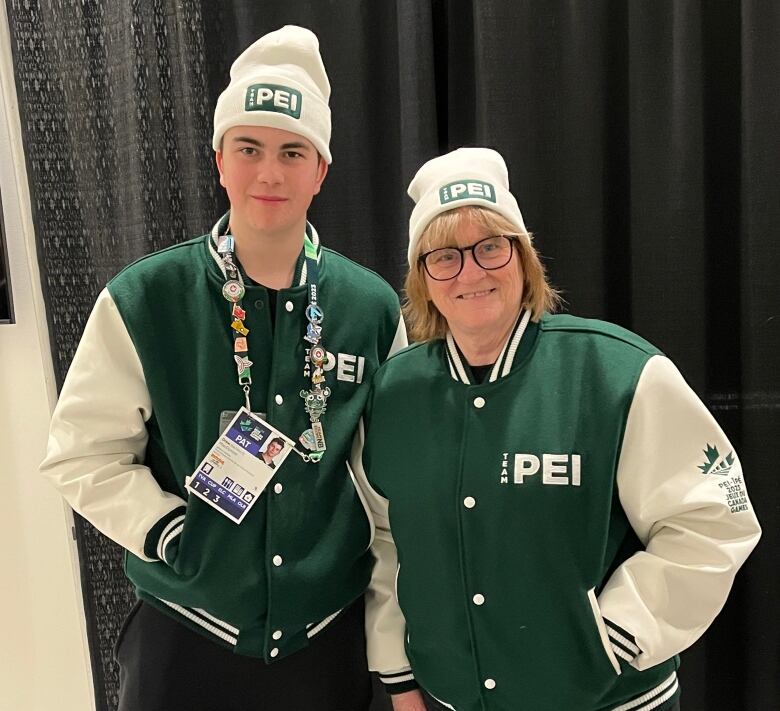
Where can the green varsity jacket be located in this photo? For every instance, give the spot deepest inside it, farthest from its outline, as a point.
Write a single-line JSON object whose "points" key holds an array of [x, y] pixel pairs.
{"points": [[141, 407], [550, 538]]}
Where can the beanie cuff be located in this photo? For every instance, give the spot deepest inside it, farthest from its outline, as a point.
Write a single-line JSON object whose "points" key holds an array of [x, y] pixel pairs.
{"points": [[434, 203]]}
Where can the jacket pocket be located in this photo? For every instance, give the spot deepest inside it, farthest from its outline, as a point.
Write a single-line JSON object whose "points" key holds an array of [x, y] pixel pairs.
{"points": [[602, 630], [364, 504]]}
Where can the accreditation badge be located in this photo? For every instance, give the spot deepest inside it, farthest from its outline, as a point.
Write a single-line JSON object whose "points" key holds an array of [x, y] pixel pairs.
{"points": [[237, 469]]}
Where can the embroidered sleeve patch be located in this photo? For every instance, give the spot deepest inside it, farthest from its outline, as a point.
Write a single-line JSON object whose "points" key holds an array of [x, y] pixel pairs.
{"points": [[732, 486]]}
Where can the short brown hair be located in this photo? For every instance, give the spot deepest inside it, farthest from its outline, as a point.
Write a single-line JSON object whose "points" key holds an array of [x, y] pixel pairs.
{"points": [[423, 320]]}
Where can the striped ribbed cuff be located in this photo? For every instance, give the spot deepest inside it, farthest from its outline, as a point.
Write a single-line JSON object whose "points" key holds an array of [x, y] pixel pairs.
{"points": [[398, 682], [166, 532], [623, 643]]}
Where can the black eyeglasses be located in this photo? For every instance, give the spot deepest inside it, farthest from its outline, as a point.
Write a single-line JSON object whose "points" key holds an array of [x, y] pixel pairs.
{"points": [[489, 253]]}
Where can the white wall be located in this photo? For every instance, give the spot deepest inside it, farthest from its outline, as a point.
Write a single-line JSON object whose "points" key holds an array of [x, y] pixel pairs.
{"points": [[43, 655]]}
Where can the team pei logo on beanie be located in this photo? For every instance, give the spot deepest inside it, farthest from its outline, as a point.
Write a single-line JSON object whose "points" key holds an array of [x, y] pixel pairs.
{"points": [[274, 97], [467, 189]]}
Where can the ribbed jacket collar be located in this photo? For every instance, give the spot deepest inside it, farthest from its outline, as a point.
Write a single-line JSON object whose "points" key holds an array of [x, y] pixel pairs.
{"points": [[299, 278], [460, 371]]}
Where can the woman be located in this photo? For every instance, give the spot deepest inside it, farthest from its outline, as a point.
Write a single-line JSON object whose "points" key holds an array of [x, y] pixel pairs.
{"points": [[567, 514]]}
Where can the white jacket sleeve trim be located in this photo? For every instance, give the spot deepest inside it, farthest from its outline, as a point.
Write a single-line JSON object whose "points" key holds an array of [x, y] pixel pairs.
{"points": [[681, 487], [603, 632], [385, 623], [171, 531], [98, 435]]}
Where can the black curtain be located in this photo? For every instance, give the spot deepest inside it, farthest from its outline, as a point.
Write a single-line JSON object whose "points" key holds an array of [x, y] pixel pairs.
{"points": [[642, 140]]}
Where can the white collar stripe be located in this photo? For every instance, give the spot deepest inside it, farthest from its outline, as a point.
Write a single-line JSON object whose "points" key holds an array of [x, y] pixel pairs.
{"points": [[503, 365], [450, 364], [495, 371], [453, 350], [497, 366], [214, 242], [315, 238], [515, 343]]}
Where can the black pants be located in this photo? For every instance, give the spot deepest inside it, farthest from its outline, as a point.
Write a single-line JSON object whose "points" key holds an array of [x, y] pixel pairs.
{"points": [[165, 666], [433, 705]]}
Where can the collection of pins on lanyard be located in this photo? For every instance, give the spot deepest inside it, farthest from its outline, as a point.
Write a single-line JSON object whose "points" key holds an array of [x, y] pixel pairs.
{"points": [[314, 399]]}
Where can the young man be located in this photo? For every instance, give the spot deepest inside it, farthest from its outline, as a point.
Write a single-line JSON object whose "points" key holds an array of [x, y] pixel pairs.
{"points": [[274, 448], [249, 592]]}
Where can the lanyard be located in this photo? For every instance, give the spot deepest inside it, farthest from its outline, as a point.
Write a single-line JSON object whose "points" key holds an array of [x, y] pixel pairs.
{"points": [[314, 399]]}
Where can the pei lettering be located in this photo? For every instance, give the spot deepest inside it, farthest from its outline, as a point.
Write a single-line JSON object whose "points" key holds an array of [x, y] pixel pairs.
{"points": [[557, 469], [274, 97], [467, 190], [349, 368]]}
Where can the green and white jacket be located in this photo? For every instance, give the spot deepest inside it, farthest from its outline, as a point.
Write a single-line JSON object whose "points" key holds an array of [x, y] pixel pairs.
{"points": [[552, 538], [141, 407]]}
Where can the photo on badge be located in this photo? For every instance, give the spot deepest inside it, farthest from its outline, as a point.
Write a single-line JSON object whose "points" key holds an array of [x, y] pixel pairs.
{"points": [[274, 453], [260, 439]]}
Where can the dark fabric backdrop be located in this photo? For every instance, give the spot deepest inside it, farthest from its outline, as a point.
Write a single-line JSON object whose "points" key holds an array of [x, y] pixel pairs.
{"points": [[643, 145]]}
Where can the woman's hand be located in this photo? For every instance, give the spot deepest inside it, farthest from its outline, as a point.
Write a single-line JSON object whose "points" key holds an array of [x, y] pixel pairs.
{"points": [[408, 701]]}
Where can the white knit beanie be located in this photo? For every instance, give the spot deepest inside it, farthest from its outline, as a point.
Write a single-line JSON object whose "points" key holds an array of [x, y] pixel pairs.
{"points": [[279, 81], [466, 176]]}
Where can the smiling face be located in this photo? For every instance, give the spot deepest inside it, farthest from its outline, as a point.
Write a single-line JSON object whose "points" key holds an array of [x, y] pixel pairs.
{"points": [[270, 176], [478, 302]]}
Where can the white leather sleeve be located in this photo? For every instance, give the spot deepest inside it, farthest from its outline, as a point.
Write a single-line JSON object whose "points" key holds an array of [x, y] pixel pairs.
{"points": [[682, 488], [400, 341], [385, 623], [98, 436]]}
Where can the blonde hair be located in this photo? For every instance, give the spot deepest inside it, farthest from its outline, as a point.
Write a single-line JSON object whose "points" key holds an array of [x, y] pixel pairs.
{"points": [[424, 322]]}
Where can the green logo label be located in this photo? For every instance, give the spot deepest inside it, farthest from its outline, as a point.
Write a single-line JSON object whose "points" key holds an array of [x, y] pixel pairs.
{"points": [[273, 97], [714, 464], [467, 189]]}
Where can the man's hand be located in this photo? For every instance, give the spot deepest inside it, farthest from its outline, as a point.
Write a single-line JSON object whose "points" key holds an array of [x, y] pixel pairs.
{"points": [[408, 701]]}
